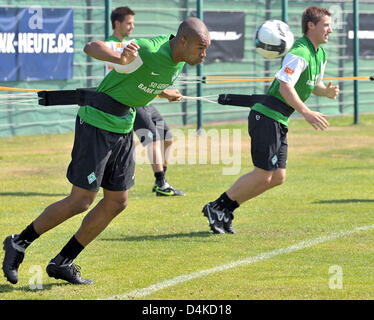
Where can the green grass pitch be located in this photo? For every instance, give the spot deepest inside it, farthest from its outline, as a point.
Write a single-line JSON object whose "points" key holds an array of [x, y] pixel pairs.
{"points": [[159, 240]]}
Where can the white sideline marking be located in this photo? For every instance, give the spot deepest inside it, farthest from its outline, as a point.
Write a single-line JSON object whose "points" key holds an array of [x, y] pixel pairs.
{"points": [[139, 293]]}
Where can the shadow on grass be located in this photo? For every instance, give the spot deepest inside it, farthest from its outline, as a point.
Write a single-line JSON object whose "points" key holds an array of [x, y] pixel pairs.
{"points": [[32, 194], [344, 201], [200, 234], [10, 288]]}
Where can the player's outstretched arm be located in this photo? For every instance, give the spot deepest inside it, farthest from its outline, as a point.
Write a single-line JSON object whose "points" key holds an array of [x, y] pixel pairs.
{"points": [[330, 91], [99, 50], [316, 119], [171, 95]]}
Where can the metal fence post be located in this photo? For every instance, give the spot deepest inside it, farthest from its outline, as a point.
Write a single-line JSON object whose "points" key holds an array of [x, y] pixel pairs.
{"points": [[199, 71], [185, 71], [88, 30], [108, 23], [356, 58], [285, 10]]}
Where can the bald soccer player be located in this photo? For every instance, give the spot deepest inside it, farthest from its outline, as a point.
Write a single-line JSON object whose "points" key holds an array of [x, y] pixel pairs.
{"points": [[103, 151]]}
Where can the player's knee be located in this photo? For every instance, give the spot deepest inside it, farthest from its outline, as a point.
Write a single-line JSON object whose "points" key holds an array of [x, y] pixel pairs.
{"points": [[266, 180], [80, 200], [77, 206], [261, 177], [82, 204], [121, 205], [278, 179], [168, 143], [272, 180], [117, 206]]}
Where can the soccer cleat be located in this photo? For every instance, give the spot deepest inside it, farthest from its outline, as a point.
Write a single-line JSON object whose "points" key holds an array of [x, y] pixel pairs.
{"points": [[166, 190], [14, 255], [215, 217], [227, 222], [66, 271]]}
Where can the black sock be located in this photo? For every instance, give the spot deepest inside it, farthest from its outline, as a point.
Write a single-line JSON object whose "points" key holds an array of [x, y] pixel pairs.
{"points": [[165, 168], [160, 178], [159, 175], [225, 202], [69, 252], [27, 236]]}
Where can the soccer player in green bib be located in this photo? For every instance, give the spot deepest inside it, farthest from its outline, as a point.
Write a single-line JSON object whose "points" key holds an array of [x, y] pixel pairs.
{"points": [[103, 151], [149, 125], [300, 75]]}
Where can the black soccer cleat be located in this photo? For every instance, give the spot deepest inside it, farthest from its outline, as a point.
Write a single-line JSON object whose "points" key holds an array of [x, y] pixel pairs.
{"points": [[167, 190], [66, 271], [227, 222], [14, 255], [215, 217]]}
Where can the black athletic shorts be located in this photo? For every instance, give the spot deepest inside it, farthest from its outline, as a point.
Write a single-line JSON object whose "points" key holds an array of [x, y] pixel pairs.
{"points": [[149, 125], [101, 158], [268, 142]]}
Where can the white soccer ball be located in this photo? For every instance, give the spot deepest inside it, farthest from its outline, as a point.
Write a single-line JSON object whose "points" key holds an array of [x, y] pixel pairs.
{"points": [[273, 39]]}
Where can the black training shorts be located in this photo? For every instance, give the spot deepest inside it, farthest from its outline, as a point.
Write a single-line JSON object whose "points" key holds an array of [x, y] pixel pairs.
{"points": [[149, 125], [101, 158], [268, 142]]}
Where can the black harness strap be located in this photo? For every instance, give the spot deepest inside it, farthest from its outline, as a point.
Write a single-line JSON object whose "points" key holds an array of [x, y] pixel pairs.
{"points": [[244, 100], [101, 101], [84, 97], [60, 97]]}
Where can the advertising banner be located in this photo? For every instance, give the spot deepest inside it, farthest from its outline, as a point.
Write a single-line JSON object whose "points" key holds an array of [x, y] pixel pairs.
{"points": [[36, 44], [365, 35], [227, 30]]}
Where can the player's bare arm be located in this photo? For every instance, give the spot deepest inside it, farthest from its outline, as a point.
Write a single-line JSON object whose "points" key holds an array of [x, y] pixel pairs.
{"points": [[171, 95], [316, 119], [330, 91], [98, 50]]}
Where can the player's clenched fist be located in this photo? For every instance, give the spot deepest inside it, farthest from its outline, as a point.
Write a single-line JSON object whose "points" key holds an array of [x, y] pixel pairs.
{"points": [[129, 53]]}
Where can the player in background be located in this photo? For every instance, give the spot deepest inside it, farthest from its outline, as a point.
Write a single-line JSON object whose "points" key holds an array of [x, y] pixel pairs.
{"points": [[300, 75]]}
